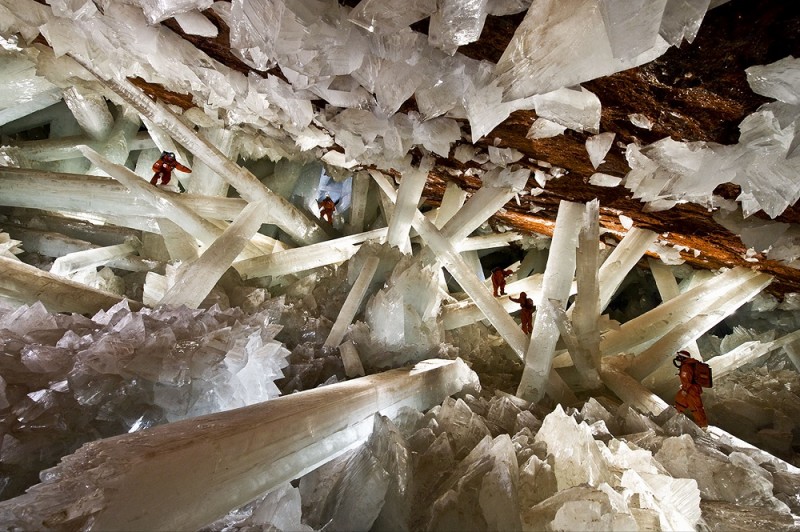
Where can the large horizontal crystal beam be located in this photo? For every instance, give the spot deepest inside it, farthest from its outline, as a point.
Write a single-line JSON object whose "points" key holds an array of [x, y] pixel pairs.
{"points": [[183, 475], [652, 325], [716, 309], [496, 240], [93, 257], [68, 147], [307, 257], [31, 284], [195, 280], [285, 215], [37, 189], [353, 301]]}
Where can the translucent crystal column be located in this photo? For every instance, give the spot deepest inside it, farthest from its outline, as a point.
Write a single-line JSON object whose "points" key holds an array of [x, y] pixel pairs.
{"points": [[61, 149], [307, 257], [204, 181], [285, 215], [452, 201], [586, 311], [183, 475], [90, 258], [196, 279], [634, 335], [180, 245], [358, 207], [353, 302], [555, 287], [408, 196], [668, 288], [628, 389], [621, 261], [479, 208], [716, 309], [30, 284]]}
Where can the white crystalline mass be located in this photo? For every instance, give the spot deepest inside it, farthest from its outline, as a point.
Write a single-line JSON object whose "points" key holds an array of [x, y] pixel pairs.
{"points": [[560, 45], [597, 146], [577, 110], [632, 25], [543, 129], [455, 23], [779, 80], [389, 16], [158, 10], [640, 120], [604, 180], [507, 7]]}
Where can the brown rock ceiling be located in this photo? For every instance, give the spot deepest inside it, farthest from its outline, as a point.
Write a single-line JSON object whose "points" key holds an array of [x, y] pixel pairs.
{"points": [[697, 92]]}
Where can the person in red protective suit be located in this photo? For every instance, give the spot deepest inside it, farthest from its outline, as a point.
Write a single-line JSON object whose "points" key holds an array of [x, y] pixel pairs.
{"points": [[164, 166], [694, 375], [326, 208], [526, 314], [499, 281]]}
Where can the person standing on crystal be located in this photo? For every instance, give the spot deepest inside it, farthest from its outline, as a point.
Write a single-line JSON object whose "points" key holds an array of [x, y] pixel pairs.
{"points": [[499, 281], [694, 375], [326, 208], [526, 313], [164, 166]]}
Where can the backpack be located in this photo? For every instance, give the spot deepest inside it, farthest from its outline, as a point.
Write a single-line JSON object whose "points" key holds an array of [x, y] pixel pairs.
{"points": [[702, 374]]}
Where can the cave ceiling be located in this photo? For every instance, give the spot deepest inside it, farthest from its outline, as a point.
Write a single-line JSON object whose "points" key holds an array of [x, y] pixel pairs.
{"points": [[695, 92]]}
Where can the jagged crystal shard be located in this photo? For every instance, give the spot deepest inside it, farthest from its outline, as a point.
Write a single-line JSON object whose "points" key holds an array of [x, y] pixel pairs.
{"points": [[389, 16], [779, 80], [456, 23], [578, 110], [597, 146], [559, 45]]}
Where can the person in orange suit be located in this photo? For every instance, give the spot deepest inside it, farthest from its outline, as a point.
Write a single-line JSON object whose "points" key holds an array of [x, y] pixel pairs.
{"points": [[164, 166], [689, 397], [526, 314], [326, 208], [499, 281]]}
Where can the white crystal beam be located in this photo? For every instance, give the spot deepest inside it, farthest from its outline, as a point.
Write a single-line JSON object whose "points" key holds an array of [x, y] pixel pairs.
{"points": [[64, 148], [37, 189], [196, 279], [204, 230], [668, 288], [286, 215], [31, 284], [479, 208], [183, 475], [556, 286], [180, 244], [586, 310], [90, 258], [358, 207], [621, 261], [352, 302], [629, 389], [452, 201], [408, 196], [654, 324], [204, 181], [308, 257], [717, 309]]}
